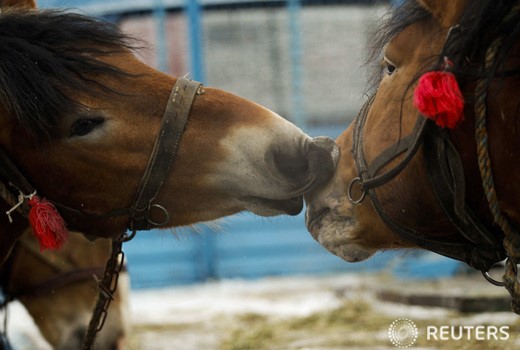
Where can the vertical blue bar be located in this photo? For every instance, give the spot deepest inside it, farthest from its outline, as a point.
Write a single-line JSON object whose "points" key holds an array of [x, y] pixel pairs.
{"points": [[210, 254], [298, 111], [205, 256], [159, 14], [198, 71]]}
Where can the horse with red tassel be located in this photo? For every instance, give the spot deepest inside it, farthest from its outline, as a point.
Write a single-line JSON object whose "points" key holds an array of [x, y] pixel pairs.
{"points": [[432, 159]]}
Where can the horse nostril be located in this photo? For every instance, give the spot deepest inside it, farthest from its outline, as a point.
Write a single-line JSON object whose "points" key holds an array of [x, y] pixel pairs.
{"points": [[291, 164], [323, 158], [306, 166]]}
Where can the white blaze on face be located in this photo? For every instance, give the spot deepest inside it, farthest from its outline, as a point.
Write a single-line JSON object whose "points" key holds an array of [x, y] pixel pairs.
{"points": [[337, 236], [335, 226], [248, 170]]}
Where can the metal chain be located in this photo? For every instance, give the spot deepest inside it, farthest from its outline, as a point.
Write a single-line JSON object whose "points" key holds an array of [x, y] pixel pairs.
{"points": [[511, 240], [107, 287]]}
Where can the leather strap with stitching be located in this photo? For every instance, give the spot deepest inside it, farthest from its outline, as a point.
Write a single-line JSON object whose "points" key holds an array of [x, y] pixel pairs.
{"points": [[477, 252], [165, 148]]}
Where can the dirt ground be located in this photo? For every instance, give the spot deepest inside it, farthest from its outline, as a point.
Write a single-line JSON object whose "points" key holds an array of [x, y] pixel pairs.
{"points": [[320, 313]]}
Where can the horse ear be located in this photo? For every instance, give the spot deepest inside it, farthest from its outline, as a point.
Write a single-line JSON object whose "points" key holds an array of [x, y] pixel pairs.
{"points": [[447, 12], [31, 4]]}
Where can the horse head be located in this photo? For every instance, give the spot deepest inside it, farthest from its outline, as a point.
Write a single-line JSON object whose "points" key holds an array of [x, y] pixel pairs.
{"points": [[423, 180], [80, 115], [59, 292]]}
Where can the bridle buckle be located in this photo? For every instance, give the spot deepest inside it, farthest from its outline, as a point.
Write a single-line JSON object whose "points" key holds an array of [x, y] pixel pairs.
{"points": [[356, 180]]}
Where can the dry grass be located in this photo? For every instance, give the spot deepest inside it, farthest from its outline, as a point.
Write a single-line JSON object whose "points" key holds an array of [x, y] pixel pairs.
{"points": [[353, 325]]}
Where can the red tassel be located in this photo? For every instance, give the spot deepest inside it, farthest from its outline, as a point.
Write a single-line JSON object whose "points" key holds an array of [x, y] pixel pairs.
{"points": [[438, 97], [47, 224]]}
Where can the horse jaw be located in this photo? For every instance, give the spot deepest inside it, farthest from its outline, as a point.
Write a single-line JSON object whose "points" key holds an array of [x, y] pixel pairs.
{"points": [[331, 221], [353, 233], [338, 236]]}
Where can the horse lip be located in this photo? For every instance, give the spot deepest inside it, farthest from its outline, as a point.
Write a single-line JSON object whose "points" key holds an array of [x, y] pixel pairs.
{"points": [[314, 218], [291, 206]]}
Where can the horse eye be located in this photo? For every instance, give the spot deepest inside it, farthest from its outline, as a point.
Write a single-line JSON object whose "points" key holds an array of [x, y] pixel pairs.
{"points": [[390, 69], [82, 127]]}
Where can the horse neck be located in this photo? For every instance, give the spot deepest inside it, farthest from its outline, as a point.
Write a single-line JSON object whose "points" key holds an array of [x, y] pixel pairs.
{"points": [[503, 144]]}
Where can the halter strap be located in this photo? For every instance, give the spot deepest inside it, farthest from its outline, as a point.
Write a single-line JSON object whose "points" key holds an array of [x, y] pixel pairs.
{"points": [[165, 148], [480, 249], [163, 153]]}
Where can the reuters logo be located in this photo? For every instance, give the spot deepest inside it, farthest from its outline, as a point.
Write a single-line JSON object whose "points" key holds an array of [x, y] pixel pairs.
{"points": [[403, 333]]}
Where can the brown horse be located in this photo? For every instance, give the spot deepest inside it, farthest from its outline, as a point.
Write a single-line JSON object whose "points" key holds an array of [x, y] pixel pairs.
{"points": [[80, 117], [58, 290], [424, 181]]}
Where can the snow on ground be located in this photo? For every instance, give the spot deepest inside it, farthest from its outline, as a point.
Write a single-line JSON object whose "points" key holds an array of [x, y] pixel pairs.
{"points": [[285, 297], [201, 316], [320, 313], [298, 312]]}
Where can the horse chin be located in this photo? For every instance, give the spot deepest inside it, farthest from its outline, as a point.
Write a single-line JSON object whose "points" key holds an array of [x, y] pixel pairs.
{"points": [[273, 207], [336, 234]]}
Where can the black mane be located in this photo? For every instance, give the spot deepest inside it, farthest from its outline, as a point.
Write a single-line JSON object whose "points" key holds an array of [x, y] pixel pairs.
{"points": [[46, 54], [482, 22], [397, 20]]}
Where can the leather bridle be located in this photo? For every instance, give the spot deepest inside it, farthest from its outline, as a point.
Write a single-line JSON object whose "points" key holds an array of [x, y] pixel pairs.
{"points": [[480, 248], [161, 159], [139, 213]]}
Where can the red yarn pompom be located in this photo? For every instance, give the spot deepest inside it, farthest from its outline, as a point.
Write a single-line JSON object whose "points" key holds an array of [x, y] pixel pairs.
{"points": [[47, 224], [438, 97]]}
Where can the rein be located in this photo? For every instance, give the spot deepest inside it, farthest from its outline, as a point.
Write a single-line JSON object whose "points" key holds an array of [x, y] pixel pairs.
{"points": [[161, 159], [511, 240]]}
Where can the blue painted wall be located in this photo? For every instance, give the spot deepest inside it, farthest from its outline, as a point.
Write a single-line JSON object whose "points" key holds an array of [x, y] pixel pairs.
{"points": [[248, 247]]}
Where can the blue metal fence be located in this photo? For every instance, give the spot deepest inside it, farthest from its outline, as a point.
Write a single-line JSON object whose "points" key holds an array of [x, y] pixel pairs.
{"points": [[251, 247], [194, 11]]}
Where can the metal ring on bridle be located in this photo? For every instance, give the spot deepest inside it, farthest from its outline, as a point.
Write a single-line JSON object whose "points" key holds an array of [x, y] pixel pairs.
{"points": [[125, 237], [166, 215], [494, 281], [363, 193]]}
